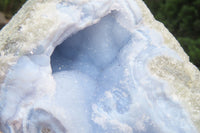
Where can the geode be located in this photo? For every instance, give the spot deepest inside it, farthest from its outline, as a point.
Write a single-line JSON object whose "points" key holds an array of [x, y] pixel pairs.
{"points": [[94, 66]]}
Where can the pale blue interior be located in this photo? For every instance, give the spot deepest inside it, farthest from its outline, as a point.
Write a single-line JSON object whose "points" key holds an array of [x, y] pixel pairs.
{"points": [[91, 50], [97, 59]]}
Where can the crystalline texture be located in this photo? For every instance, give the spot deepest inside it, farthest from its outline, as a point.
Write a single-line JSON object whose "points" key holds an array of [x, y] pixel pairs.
{"points": [[95, 67]]}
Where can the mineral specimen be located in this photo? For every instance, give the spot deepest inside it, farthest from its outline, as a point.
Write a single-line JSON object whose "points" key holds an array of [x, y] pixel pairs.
{"points": [[94, 66]]}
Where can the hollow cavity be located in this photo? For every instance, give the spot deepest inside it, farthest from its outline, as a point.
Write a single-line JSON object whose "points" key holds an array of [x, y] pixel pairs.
{"points": [[91, 50]]}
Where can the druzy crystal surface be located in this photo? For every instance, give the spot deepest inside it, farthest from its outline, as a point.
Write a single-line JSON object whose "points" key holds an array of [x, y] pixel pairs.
{"points": [[95, 66]]}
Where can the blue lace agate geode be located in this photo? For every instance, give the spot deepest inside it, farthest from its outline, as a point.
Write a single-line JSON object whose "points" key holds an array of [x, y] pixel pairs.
{"points": [[92, 73]]}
